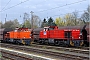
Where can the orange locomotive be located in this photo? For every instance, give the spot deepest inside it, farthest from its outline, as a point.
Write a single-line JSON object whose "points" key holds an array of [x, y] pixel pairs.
{"points": [[19, 35]]}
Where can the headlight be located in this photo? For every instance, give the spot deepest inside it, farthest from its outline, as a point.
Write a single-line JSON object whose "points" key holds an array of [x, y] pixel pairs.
{"points": [[80, 33], [79, 37], [72, 37]]}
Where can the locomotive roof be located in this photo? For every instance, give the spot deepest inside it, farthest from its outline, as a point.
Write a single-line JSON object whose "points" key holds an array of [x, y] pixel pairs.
{"points": [[70, 27], [66, 27], [38, 29], [73, 27]]}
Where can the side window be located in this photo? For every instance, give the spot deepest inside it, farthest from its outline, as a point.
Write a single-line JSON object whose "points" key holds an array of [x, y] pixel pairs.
{"points": [[46, 29], [51, 28], [15, 30], [67, 34]]}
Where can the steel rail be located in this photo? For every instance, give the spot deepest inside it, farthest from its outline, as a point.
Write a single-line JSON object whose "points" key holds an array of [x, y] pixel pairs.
{"points": [[47, 52], [76, 50], [10, 56]]}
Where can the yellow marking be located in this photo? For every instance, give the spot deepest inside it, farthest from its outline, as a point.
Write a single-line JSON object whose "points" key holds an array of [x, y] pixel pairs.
{"points": [[81, 43], [23, 42], [32, 42], [71, 43]]}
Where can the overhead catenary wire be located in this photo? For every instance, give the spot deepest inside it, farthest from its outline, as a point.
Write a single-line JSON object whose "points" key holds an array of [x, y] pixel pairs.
{"points": [[65, 13], [6, 5], [14, 5], [46, 9], [62, 6]]}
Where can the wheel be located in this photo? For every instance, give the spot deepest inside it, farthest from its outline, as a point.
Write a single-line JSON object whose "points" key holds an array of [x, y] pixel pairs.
{"points": [[57, 43]]}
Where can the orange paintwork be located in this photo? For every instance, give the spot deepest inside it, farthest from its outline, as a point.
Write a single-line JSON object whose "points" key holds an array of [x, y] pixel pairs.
{"points": [[24, 34], [20, 34]]}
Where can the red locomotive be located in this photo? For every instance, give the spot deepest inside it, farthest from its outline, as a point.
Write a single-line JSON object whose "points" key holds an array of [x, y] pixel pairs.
{"points": [[66, 36]]}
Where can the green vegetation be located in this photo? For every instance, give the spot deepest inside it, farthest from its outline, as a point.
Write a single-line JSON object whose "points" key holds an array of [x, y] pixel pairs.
{"points": [[0, 55]]}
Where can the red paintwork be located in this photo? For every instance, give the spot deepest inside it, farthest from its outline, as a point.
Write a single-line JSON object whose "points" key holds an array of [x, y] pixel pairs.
{"points": [[76, 34], [44, 34], [56, 34], [60, 34], [88, 38]]}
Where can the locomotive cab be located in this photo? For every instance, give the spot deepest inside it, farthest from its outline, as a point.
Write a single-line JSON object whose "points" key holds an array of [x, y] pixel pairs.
{"points": [[50, 28], [46, 28], [67, 34], [84, 37], [53, 27]]}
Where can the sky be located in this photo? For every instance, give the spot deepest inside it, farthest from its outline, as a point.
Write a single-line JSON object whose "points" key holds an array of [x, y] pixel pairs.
{"points": [[41, 8]]}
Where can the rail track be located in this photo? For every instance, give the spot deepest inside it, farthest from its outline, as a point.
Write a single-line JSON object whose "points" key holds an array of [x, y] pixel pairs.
{"points": [[12, 56], [59, 54], [84, 50], [5, 55]]}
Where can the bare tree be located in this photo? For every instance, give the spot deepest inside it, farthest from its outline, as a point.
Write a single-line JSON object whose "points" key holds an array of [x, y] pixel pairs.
{"points": [[26, 17], [1, 25], [36, 21], [85, 16], [75, 17]]}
